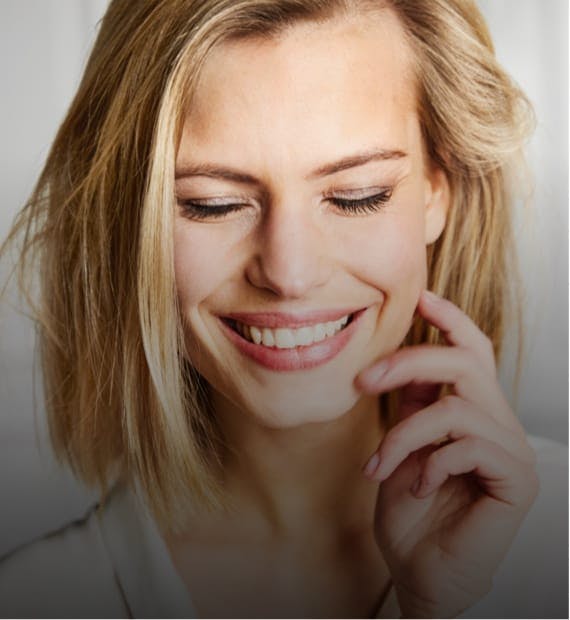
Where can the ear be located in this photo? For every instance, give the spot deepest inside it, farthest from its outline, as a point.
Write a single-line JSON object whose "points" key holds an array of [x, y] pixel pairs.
{"points": [[437, 199]]}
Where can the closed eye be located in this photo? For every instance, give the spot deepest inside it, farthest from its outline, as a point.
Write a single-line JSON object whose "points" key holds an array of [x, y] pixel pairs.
{"points": [[363, 206], [216, 208], [209, 209]]}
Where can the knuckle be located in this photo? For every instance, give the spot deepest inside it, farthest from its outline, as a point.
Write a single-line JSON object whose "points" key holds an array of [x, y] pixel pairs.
{"points": [[472, 447], [530, 488], [466, 364], [533, 482]]}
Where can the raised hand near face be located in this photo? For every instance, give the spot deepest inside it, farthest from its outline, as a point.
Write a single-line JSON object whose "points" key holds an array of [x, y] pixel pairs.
{"points": [[457, 475]]}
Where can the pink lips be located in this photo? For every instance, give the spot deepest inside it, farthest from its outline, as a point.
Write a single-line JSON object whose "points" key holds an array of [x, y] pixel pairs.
{"points": [[299, 358], [293, 321]]}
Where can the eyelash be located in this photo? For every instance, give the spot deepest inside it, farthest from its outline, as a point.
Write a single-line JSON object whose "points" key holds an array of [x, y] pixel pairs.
{"points": [[197, 211], [363, 206], [354, 206]]}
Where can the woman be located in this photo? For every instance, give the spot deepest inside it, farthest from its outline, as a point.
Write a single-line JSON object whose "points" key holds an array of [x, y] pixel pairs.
{"points": [[238, 228]]}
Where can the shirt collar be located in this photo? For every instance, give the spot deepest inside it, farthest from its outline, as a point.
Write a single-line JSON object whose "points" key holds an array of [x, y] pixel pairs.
{"points": [[150, 584]]}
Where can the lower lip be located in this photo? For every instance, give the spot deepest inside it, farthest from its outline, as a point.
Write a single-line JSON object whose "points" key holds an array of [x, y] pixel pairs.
{"points": [[299, 358]]}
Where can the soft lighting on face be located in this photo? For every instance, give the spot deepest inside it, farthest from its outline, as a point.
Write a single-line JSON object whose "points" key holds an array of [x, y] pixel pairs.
{"points": [[301, 225]]}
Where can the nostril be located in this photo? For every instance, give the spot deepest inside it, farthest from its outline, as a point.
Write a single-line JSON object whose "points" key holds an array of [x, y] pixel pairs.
{"points": [[287, 267]]}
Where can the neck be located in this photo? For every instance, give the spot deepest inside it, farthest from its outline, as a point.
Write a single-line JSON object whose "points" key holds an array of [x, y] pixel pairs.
{"points": [[291, 481]]}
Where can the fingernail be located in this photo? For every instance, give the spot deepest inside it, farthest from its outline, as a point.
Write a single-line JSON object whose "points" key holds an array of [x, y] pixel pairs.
{"points": [[431, 297], [374, 374], [372, 465]]}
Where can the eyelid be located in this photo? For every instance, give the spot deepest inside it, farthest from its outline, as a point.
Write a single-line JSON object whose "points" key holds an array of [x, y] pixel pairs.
{"points": [[359, 193], [362, 201], [215, 201], [369, 204]]}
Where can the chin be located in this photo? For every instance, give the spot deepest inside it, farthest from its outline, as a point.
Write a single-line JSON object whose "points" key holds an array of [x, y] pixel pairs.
{"points": [[282, 408]]}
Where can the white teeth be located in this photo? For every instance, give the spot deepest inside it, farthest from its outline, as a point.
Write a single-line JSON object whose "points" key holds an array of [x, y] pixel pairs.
{"points": [[304, 336], [268, 340], [320, 332], [284, 338], [255, 334]]}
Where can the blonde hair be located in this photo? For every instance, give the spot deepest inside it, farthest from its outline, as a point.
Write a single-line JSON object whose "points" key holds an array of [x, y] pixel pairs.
{"points": [[120, 397]]}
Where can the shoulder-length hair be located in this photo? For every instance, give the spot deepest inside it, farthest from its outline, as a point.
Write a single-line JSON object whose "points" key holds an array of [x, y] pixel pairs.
{"points": [[121, 399]]}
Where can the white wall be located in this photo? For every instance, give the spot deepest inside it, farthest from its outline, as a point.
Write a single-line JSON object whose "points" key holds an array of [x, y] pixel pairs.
{"points": [[43, 44], [531, 40]]}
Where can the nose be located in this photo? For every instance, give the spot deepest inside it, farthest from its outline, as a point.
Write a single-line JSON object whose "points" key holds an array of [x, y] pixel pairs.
{"points": [[291, 255]]}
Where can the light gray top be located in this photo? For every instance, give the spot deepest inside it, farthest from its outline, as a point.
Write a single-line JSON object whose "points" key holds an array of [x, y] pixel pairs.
{"points": [[114, 563]]}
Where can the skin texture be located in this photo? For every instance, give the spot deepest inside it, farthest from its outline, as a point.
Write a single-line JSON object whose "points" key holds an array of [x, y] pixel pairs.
{"points": [[277, 111], [307, 532], [447, 511]]}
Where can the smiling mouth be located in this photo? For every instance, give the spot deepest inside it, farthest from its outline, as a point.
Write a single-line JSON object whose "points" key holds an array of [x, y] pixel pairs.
{"points": [[289, 338]]}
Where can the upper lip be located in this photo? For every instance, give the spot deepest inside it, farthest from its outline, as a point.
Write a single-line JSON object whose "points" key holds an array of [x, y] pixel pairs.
{"points": [[290, 319]]}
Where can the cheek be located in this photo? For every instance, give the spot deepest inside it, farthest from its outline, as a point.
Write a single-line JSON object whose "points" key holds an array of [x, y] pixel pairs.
{"points": [[198, 264], [391, 259], [389, 253]]}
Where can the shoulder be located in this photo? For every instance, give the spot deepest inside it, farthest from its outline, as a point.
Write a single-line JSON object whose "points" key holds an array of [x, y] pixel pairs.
{"points": [[532, 581], [66, 573]]}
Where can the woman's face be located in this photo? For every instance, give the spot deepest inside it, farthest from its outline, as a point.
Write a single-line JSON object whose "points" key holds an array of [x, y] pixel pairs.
{"points": [[305, 198]]}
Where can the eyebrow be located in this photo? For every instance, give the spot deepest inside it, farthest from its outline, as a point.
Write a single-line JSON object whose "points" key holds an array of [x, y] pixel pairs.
{"points": [[238, 176], [359, 159]]}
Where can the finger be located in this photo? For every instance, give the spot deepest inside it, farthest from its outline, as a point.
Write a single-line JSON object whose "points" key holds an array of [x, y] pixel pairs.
{"points": [[436, 364], [499, 474], [450, 417], [457, 328]]}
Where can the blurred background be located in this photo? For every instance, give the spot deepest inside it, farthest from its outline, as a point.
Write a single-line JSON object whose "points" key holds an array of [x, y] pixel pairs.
{"points": [[43, 49]]}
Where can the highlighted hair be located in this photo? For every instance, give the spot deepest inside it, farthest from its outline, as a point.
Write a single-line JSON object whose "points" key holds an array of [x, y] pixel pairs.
{"points": [[122, 401]]}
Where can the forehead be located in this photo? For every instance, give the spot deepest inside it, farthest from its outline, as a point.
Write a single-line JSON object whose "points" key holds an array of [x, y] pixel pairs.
{"points": [[331, 86]]}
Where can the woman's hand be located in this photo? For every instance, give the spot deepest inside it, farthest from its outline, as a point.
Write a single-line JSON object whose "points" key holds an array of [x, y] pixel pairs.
{"points": [[457, 474]]}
